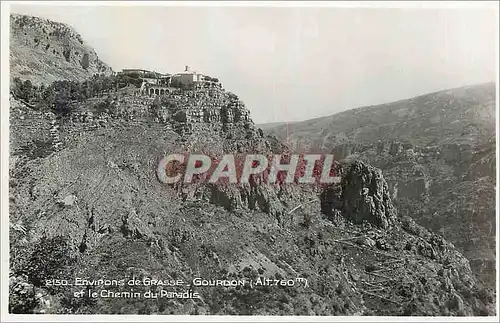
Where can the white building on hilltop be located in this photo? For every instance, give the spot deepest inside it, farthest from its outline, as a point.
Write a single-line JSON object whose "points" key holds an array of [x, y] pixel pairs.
{"points": [[186, 78]]}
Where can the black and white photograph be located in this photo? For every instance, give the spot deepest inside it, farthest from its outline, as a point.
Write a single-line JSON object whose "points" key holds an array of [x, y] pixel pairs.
{"points": [[249, 160]]}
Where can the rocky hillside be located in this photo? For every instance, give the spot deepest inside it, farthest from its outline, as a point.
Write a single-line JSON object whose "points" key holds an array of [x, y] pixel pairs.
{"points": [[437, 153], [91, 207], [44, 51]]}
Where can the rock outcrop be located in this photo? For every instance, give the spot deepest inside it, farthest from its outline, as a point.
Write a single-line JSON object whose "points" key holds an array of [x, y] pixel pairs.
{"points": [[366, 197], [210, 119], [265, 198], [362, 195], [44, 51]]}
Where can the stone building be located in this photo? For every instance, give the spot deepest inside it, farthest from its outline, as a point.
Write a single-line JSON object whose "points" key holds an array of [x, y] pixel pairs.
{"points": [[186, 78], [163, 84], [165, 79], [155, 89]]}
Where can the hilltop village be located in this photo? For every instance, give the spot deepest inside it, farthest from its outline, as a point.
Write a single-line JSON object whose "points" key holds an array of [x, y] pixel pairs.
{"points": [[187, 103], [186, 98], [155, 83]]}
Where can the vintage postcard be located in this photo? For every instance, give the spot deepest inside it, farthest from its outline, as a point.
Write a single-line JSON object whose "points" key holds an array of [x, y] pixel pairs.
{"points": [[249, 160]]}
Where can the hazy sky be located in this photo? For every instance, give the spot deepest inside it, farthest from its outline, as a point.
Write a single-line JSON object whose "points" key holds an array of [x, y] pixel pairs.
{"points": [[289, 63]]}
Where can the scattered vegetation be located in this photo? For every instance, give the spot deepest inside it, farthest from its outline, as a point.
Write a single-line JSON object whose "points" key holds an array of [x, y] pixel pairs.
{"points": [[85, 61], [22, 299], [211, 79], [49, 258], [60, 95], [67, 54]]}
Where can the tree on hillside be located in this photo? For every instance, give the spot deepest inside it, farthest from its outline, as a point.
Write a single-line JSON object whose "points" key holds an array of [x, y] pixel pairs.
{"points": [[85, 62], [96, 83], [156, 104], [23, 90], [51, 258], [62, 97]]}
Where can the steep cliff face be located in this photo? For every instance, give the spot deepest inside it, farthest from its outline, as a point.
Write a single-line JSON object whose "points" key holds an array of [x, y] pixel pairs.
{"points": [[44, 51], [212, 120], [366, 196], [216, 122]]}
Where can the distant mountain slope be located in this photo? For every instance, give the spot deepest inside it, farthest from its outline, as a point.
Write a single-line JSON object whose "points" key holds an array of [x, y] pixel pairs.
{"points": [[465, 114], [437, 152], [266, 126], [44, 51]]}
